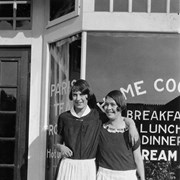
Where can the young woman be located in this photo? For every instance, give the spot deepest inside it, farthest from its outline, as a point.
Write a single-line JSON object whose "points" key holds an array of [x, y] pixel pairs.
{"points": [[78, 131], [118, 159]]}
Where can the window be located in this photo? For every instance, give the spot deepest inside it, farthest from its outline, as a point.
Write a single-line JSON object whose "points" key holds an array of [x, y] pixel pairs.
{"points": [[62, 10], [152, 6], [14, 114], [15, 15], [65, 68]]}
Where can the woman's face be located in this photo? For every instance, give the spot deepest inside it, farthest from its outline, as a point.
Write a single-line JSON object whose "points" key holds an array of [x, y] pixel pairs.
{"points": [[79, 100], [111, 108]]}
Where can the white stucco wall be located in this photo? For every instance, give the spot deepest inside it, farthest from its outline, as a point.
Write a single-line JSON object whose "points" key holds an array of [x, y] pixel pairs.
{"points": [[128, 21]]}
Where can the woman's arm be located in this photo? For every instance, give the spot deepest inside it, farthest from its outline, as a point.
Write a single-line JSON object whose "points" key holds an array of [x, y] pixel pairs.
{"points": [[64, 150], [139, 163], [60, 146], [133, 133]]}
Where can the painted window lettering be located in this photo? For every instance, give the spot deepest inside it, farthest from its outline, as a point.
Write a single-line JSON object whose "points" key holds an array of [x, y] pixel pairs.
{"points": [[160, 85], [156, 155], [138, 89], [170, 85]]}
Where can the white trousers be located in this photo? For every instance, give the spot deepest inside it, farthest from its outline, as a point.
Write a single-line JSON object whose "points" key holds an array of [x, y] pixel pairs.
{"points": [[73, 169], [108, 174]]}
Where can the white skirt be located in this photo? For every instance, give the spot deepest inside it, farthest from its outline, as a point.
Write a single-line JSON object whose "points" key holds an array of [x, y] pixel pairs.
{"points": [[73, 169], [108, 174]]}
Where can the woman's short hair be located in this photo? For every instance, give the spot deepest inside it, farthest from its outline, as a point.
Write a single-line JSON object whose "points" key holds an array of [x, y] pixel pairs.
{"points": [[119, 98], [83, 86]]}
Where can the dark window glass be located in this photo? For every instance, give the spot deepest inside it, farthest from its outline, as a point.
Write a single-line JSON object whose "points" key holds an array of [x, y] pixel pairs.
{"points": [[8, 73], [158, 6], [139, 6], [6, 10], [7, 99], [175, 6], [121, 5], [6, 173], [74, 59], [23, 24], [23, 10], [6, 25], [6, 152], [101, 5], [61, 8], [7, 125]]}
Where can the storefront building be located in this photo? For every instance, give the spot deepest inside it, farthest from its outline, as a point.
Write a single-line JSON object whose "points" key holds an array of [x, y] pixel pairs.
{"points": [[45, 45]]}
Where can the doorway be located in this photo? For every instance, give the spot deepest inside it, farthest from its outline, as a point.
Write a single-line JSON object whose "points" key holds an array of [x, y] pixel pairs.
{"points": [[14, 112]]}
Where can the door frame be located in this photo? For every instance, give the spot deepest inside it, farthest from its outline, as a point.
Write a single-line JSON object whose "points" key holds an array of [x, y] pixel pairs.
{"points": [[22, 55]]}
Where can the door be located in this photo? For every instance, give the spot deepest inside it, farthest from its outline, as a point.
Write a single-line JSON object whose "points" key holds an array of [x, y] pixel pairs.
{"points": [[14, 103]]}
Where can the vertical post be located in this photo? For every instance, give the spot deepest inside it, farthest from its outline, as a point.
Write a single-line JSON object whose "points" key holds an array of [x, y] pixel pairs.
{"points": [[83, 55], [149, 6], [88, 5], [130, 6], [14, 15], [167, 6], [111, 3]]}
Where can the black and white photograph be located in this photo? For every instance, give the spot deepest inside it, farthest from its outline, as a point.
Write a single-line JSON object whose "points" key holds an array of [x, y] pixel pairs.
{"points": [[89, 89]]}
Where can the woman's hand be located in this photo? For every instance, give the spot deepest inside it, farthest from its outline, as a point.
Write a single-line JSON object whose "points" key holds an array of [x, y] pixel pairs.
{"points": [[65, 151], [133, 134]]}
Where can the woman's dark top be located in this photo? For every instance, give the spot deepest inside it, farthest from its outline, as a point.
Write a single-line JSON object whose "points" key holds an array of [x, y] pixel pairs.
{"points": [[115, 151], [81, 135]]}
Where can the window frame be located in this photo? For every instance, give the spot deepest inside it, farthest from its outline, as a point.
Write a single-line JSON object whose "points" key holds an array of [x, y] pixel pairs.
{"points": [[14, 18], [65, 17], [21, 55]]}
